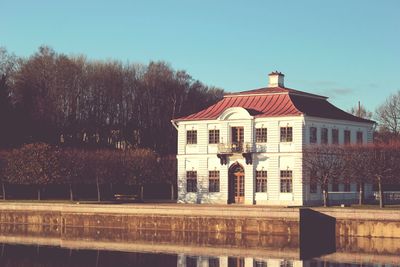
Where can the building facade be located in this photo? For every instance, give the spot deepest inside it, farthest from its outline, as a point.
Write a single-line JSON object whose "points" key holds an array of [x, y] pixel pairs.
{"points": [[248, 147]]}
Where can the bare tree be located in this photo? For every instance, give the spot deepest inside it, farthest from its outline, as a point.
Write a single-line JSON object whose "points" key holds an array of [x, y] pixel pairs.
{"points": [[8, 69], [383, 166], [388, 115], [325, 163], [360, 111], [356, 167]]}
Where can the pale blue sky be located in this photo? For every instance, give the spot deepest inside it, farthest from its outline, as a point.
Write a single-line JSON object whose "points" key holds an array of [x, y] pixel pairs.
{"points": [[348, 50]]}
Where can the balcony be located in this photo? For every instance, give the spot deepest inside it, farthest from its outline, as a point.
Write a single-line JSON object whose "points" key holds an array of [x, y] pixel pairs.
{"points": [[237, 148], [228, 149]]}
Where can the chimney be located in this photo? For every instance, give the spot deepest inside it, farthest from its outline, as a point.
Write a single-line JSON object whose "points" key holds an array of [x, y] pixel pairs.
{"points": [[276, 79]]}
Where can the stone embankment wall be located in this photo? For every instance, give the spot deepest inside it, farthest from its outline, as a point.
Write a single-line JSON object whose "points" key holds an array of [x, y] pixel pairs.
{"points": [[190, 218], [200, 218], [364, 223]]}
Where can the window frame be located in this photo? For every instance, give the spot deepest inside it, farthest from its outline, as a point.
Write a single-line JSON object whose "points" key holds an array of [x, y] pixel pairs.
{"points": [[191, 261], [313, 135], [259, 263], [191, 182], [347, 186], [313, 184], [213, 262], [286, 263], [335, 136], [324, 136], [347, 137], [286, 136], [214, 181], [191, 137], [213, 136], [286, 181], [335, 186], [261, 181], [360, 137], [261, 135]]}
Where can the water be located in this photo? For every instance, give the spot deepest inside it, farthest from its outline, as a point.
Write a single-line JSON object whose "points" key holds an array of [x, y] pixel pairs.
{"points": [[40, 246]]}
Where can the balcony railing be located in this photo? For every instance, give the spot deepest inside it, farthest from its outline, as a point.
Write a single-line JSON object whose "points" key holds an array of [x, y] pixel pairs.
{"points": [[231, 148]]}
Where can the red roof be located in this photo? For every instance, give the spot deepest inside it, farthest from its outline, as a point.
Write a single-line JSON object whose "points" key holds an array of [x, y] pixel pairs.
{"points": [[275, 102], [275, 90]]}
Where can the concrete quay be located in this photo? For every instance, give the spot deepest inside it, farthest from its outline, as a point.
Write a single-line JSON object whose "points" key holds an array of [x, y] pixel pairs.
{"points": [[241, 219]]}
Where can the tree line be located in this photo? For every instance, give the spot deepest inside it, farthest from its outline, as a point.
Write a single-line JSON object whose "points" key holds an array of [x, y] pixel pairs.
{"points": [[72, 101], [76, 102], [39, 165], [377, 164]]}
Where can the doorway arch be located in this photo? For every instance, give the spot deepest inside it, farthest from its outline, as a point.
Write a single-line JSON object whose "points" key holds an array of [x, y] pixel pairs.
{"points": [[236, 184]]}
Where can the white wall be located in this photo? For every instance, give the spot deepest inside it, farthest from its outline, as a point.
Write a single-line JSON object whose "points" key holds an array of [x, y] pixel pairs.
{"points": [[354, 127], [273, 155]]}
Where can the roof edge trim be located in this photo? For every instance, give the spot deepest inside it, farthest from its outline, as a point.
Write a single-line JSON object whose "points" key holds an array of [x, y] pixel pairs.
{"points": [[281, 93]]}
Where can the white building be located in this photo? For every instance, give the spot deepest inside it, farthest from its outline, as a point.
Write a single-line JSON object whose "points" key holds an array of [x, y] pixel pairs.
{"points": [[247, 148]]}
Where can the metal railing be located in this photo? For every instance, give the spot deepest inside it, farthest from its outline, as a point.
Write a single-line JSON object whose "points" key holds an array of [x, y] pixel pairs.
{"points": [[389, 196], [235, 147]]}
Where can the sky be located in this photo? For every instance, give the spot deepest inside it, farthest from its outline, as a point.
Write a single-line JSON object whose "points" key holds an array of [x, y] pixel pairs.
{"points": [[348, 50]]}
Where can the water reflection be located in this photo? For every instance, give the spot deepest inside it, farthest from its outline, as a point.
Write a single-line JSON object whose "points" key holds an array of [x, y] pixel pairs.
{"points": [[44, 246], [43, 256], [13, 255]]}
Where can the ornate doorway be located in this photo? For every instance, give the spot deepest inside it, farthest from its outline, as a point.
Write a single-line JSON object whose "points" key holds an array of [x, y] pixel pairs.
{"points": [[236, 184]]}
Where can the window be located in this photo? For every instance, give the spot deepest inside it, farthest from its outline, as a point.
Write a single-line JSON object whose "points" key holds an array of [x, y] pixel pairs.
{"points": [[261, 181], [324, 136], [359, 138], [191, 181], [347, 137], [213, 136], [286, 134], [347, 187], [261, 135], [191, 137], [191, 261], [235, 262], [313, 135], [286, 181], [313, 187], [335, 136], [335, 186], [286, 263], [213, 262], [313, 183], [213, 181], [258, 263], [237, 138]]}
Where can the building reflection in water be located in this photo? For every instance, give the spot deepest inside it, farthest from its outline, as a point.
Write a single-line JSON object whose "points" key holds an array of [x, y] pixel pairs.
{"points": [[43, 246], [43, 256], [201, 261]]}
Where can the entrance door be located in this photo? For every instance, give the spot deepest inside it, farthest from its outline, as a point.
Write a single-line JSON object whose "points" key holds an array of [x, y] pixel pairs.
{"points": [[239, 187], [237, 139], [236, 184]]}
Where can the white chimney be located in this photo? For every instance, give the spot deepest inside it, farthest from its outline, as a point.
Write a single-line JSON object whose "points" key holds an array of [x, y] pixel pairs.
{"points": [[276, 79]]}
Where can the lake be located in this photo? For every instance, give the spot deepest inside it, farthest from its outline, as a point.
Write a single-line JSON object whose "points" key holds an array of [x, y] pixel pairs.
{"points": [[40, 246]]}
